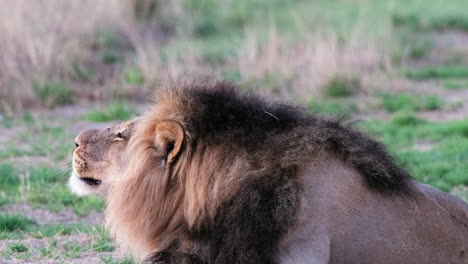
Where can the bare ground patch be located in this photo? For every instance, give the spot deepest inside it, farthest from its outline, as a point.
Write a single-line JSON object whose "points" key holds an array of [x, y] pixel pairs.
{"points": [[45, 217]]}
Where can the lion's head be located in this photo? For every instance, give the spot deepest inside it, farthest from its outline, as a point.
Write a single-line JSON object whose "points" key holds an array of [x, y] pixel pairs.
{"points": [[171, 183], [99, 156]]}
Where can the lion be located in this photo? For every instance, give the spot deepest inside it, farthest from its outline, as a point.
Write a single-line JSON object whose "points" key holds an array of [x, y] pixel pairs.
{"points": [[213, 175]]}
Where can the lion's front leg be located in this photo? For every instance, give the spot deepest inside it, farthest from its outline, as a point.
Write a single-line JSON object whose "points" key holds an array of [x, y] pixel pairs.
{"points": [[249, 227]]}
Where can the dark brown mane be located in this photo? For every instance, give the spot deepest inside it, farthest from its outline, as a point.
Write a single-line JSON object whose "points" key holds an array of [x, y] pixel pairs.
{"points": [[217, 113]]}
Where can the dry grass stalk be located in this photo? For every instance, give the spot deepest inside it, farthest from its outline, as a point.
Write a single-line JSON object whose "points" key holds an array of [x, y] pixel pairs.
{"points": [[40, 38]]}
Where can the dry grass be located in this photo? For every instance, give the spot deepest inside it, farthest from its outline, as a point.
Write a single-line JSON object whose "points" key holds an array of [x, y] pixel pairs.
{"points": [[41, 41], [305, 66], [287, 68]]}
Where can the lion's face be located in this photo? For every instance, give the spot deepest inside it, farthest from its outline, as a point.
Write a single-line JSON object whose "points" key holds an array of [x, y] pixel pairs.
{"points": [[99, 157]]}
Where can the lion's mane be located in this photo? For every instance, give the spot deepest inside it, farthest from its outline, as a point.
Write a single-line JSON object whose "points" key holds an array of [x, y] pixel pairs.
{"points": [[234, 189]]}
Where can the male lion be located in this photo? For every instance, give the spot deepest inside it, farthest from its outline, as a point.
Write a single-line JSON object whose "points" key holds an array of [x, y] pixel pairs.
{"points": [[211, 175]]}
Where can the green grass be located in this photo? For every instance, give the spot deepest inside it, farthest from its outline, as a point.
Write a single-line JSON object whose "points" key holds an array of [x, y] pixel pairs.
{"points": [[82, 72], [51, 93], [57, 197], [69, 248], [28, 118], [108, 39], [8, 178], [112, 260], [134, 76], [48, 250], [85, 205], [64, 229], [419, 21], [44, 175], [445, 165], [14, 222], [456, 84], [48, 141], [341, 86], [4, 199], [18, 247], [332, 106], [114, 111], [17, 251], [414, 45], [47, 187], [12, 151], [401, 119], [410, 102], [103, 243], [73, 249], [438, 72], [111, 57]]}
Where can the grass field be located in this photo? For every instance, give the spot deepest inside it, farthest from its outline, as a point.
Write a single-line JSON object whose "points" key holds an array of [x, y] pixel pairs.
{"points": [[401, 67]]}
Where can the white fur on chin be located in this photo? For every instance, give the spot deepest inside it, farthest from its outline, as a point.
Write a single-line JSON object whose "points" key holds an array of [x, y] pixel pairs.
{"points": [[78, 187]]}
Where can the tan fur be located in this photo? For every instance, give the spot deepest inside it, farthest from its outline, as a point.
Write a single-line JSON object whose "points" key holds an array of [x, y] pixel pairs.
{"points": [[98, 157], [162, 206]]}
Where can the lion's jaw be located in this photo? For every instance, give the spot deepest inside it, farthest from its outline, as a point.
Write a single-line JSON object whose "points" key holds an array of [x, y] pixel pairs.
{"points": [[81, 188]]}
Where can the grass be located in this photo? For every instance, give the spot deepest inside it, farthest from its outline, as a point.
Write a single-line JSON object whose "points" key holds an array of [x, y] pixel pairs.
{"points": [[72, 249], [51, 93], [18, 247], [111, 57], [415, 45], [113, 47], [48, 251], [52, 230], [86, 205], [444, 166], [405, 119], [418, 21], [438, 72], [456, 84], [8, 178], [82, 72], [114, 111], [17, 251], [134, 76], [46, 187], [341, 86], [15, 222], [45, 175], [332, 106], [68, 248], [59, 197], [410, 102], [112, 260], [48, 141], [103, 243]]}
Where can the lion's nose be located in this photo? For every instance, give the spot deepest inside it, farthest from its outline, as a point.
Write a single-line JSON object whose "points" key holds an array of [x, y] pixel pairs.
{"points": [[84, 137]]}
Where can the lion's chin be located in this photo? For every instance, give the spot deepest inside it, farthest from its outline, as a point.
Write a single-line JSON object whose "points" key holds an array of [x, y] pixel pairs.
{"points": [[80, 187]]}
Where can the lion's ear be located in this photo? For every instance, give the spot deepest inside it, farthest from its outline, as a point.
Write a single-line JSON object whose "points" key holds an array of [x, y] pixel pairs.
{"points": [[169, 139]]}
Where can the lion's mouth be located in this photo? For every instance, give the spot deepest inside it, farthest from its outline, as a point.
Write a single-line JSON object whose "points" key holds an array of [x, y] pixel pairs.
{"points": [[90, 181]]}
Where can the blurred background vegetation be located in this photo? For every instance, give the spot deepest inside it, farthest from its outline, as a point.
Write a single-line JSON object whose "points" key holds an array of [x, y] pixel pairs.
{"points": [[400, 66]]}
